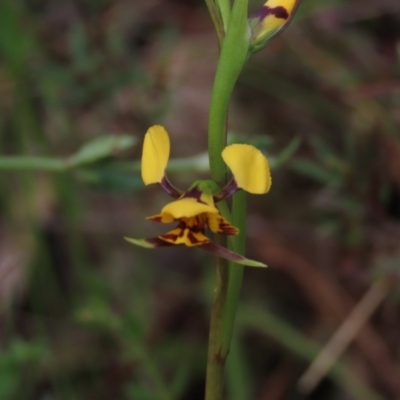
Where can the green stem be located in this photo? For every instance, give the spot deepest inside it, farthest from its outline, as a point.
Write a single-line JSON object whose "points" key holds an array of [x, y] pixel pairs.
{"points": [[235, 275], [227, 287], [217, 352], [228, 277], [233, 55]]}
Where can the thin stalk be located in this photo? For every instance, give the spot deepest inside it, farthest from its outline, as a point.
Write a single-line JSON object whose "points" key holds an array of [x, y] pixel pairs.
{"points": [[235, 275], [237, 371], [217, 351], [228, 277], [228, 283], [233, 56]]}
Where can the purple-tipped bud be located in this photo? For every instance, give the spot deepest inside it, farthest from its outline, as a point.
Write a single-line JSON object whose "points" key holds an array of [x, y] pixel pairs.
{"points": [[269, 20]]}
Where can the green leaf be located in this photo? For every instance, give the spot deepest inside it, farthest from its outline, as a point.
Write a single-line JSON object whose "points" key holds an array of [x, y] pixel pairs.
{"points": [[225, 11], [109, 179], [286, 153], [316, 171], [101, 147], [328, 157], [9, 379], [322, 149]]}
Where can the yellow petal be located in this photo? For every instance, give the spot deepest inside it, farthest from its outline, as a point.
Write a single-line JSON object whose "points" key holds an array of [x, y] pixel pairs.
{"points": [[249, 167], [274, 13], [186, 208], [218, 224], [163, 218], [287, 4], [155, 154]]}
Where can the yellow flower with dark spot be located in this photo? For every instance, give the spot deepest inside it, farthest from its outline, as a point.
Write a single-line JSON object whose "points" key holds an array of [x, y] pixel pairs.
{"points": [[269, 20], [194, 210]]}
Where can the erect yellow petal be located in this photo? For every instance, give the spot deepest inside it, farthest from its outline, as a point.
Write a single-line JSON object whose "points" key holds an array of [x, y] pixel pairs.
{"points": [[155, 154], [187, 208], [249, 167]]}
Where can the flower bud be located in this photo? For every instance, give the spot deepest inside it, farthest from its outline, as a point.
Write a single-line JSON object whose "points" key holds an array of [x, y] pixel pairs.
{"points": [[269, 20]]}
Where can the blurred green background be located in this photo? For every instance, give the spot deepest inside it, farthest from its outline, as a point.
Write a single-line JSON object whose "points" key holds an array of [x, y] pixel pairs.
{"points": [[87, 316]]}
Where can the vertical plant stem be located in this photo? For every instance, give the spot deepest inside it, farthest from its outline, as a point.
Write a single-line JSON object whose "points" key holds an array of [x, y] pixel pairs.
{"points": [[227, 287], [233, 56], [235, 275], [228, 277], [216, 354]]}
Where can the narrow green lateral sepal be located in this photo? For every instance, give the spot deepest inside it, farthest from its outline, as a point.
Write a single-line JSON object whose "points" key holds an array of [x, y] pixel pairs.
{"points": [[146, 243], [210, 247], [230, 255]]}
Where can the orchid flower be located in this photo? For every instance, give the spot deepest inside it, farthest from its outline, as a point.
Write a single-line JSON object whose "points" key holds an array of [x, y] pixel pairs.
{"points": [[194, 211]]}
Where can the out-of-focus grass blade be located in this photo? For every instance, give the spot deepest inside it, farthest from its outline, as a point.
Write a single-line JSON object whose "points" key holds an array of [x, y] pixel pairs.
{"points": [[321, 148], [107, 179], [101, 147], [327, 155], [316, 172], [14, 361], [286, 154], [291, 338]]}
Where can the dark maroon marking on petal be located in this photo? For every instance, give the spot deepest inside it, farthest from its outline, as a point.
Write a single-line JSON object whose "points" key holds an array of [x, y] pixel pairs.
{"points": [[181, 233], [156, 219], [264, 11], [226, 191], [181, 224], [168, 236], [223, 252], [193, 240], [227, 229], [158, 242], [193, 193], [198, 228], [169, 188]]}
